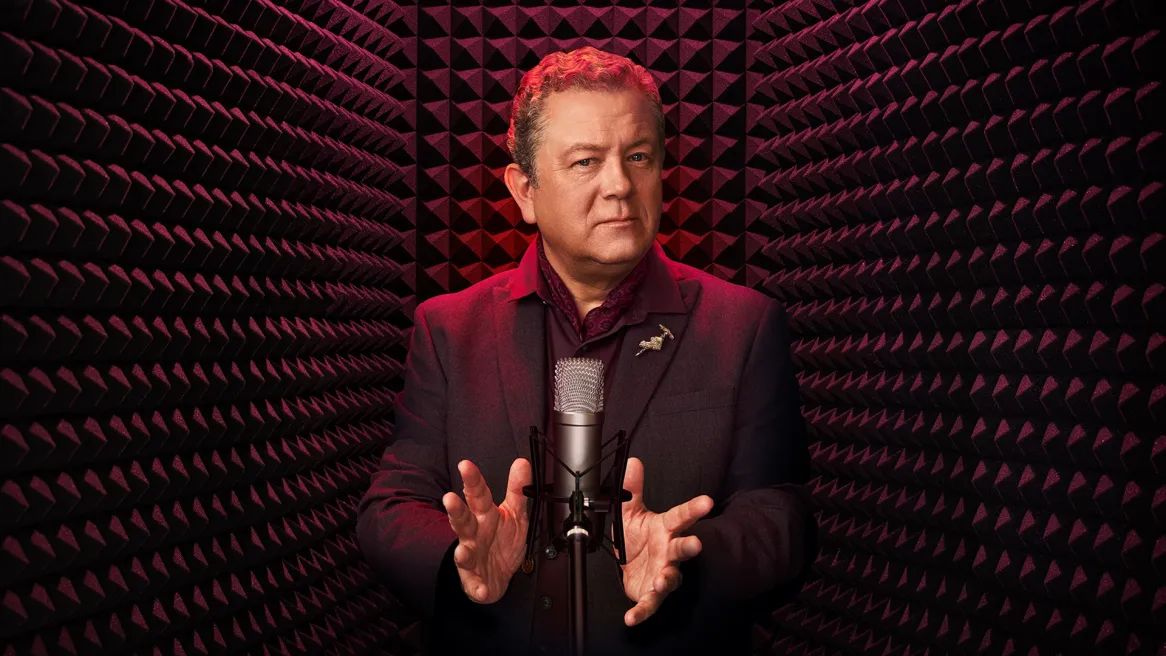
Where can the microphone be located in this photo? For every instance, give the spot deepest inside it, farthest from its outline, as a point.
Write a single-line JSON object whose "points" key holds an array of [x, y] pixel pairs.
{"points": [[574, 440], [577, 433], [576, 436]]}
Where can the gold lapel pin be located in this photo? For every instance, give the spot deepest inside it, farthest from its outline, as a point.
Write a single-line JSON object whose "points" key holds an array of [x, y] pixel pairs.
{"points": [[656, 342]]}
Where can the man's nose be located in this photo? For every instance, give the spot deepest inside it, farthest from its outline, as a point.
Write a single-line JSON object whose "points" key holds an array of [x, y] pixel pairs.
{"points": [[616, 181]]}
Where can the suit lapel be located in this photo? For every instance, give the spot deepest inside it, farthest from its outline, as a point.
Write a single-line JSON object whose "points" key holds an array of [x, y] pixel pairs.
{"points": [[520, 334], [636, 377]]}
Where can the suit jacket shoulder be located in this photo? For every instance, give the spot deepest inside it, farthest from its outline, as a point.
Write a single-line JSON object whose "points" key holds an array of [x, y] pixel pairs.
{"points": [[463, 309], [721, 298]]}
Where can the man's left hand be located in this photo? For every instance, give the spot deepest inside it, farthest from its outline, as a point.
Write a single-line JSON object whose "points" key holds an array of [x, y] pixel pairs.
{"points": [[655, 545]]}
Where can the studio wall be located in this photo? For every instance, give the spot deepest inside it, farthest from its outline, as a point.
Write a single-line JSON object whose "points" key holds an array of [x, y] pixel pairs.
{"points": [[206, 285], [470, 61], [220, 216], [964, 219]]}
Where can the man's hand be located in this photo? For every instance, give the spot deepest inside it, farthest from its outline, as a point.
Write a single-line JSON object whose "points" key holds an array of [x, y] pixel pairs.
{"points": [[654, 545], [491, 539]]}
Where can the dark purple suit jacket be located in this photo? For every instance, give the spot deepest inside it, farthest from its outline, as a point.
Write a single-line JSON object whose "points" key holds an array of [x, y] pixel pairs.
{"points": [[715, 412]]}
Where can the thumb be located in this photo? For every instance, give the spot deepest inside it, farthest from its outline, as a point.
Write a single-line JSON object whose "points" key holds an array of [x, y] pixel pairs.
{"points": [[520, 476], [633, 481]]}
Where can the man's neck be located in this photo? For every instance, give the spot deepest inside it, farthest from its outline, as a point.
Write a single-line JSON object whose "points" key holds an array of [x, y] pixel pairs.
{"points": [[589, 288]]}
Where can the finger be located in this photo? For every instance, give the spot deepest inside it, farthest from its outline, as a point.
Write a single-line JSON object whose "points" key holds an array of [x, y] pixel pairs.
{"points": [[686, 514], [520, 476], [479, 592], [667, 580], [464, 556], [461, 520], [682, 549], [474, 587], [477, 493], [633, 481], [646, 608]]}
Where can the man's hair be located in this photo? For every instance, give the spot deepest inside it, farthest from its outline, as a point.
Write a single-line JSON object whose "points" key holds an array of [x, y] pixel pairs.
{"points": [[585, 68]]}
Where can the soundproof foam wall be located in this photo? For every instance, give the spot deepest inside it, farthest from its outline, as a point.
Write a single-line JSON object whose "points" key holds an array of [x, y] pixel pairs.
{"points": [[223, 214], [963, 213], [206, 285], [470, 62]]}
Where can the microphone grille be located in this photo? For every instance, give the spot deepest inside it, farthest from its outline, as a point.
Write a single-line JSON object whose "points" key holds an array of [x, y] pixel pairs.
{"points": [[579, 385]]}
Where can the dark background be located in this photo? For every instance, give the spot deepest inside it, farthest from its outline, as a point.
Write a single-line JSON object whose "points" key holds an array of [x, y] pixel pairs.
{"points": [[216, 219]]}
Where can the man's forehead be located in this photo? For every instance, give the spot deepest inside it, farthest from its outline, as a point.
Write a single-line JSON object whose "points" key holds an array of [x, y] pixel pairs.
{"points": [[568, 146], [574, 125]]}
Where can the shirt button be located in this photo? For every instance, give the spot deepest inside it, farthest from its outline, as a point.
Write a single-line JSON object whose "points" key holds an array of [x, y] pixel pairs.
{"points": [[545, 603], [550, 551], [528, 566]]}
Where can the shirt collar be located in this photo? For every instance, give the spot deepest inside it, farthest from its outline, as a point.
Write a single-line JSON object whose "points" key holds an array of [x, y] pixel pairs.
{"points": [[658, 292]]}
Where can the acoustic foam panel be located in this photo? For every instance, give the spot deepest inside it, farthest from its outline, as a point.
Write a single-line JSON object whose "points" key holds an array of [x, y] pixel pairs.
{"points": [[471, 59], [959, 580], [206, 284], [961, 206]]}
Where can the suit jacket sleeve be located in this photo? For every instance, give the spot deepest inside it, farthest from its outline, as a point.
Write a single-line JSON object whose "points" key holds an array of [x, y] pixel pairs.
{"points": [[402, 527], [761, 535]]}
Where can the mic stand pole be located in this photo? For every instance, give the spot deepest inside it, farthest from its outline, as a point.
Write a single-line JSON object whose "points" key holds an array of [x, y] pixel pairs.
{"points": [[578, 536], [578, 532]]}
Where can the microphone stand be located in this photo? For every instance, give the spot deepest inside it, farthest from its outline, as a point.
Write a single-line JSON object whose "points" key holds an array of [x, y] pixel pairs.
{"points": [[579, 537]]}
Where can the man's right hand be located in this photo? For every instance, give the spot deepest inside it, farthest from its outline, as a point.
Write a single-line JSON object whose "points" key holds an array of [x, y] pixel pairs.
{"points": [[491, 539]]}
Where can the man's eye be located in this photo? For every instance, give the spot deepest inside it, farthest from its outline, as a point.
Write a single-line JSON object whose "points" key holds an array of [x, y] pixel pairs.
{"points": [[584, 162], [643, 157]]}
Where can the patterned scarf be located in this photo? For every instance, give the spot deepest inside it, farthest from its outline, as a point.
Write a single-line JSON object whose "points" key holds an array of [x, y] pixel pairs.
{"points": [[599, 320]]}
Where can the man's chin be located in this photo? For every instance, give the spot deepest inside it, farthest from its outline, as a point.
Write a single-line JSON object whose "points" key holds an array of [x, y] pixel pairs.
{"points": [[614, 253], [622, 255]]}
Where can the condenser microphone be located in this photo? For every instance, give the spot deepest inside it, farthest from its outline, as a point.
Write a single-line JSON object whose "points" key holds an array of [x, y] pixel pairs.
{"points": [[574, 442], [576, 427], [576, 433]]}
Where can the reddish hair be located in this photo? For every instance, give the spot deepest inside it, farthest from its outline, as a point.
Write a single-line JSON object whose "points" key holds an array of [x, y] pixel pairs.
{"points": [[585, 68]]}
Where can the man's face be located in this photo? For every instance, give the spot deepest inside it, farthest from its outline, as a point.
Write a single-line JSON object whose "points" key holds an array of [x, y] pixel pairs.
{"points": [[598, 170]]}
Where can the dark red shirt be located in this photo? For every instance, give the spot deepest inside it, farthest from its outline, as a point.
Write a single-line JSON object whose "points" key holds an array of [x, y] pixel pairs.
{"points": [[649, 287]]}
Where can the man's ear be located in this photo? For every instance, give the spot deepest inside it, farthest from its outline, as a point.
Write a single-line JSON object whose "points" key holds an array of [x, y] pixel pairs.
{"points": [[520, 188]]}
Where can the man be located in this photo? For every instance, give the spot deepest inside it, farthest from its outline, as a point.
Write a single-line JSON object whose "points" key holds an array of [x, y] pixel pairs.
{"points": [[716, 520]]}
